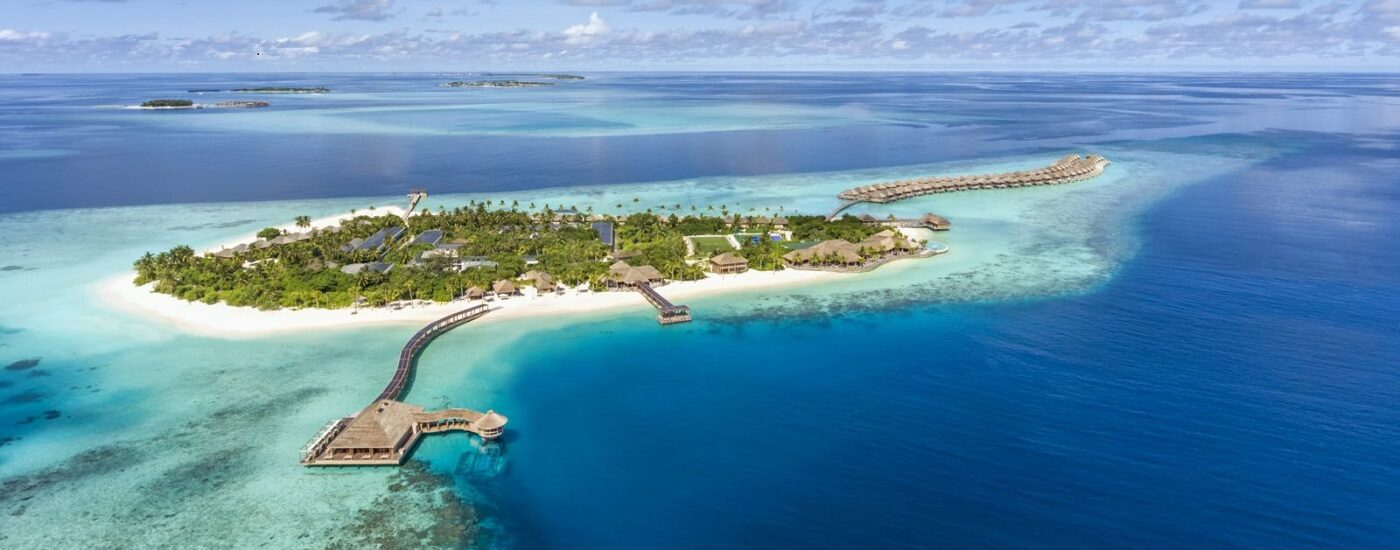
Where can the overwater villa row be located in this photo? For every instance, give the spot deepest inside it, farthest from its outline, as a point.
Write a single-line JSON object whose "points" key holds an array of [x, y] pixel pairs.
{"points": [[1069, 169]]}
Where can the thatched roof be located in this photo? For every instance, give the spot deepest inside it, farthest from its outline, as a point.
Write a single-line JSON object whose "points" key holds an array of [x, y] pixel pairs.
{"points": [[475, 292], [503, 287], [622, 272], [843, 249], [379, 426], [492, 420], [728, 259]]}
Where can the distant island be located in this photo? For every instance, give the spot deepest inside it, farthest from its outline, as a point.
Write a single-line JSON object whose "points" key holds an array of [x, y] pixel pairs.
{"points": [[282, 90], [167, 104], [496, 84], [241, 104], [187, 104], [203, 90], [554, 76]]}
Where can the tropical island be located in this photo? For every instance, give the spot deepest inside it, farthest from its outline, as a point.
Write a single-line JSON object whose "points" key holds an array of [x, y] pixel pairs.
{"points": [[283, 90], [555, 76], [188, 104], [495, 84], [241, 104], [167, 104], [490, 250]]}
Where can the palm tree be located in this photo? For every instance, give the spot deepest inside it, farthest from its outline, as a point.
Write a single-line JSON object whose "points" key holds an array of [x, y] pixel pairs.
{"points": [[303, 221]]}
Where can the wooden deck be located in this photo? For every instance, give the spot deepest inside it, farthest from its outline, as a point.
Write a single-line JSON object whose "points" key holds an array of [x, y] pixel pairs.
{"points": [[668, 313], [385, 432]]}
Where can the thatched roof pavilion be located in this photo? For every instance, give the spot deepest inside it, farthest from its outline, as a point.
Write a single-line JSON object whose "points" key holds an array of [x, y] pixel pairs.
{"points": [[475, 293], [729, 262], [503, 287]]}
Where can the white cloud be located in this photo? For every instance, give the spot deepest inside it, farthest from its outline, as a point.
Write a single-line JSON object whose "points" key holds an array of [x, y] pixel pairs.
{"points": [[363, 10], [587, 33]]}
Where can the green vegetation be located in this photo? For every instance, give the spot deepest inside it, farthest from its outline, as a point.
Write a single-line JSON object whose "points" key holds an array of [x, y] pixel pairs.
{"points": [[817, 228], [766, 255], [709, 246], [306, 272], [167, 103]]}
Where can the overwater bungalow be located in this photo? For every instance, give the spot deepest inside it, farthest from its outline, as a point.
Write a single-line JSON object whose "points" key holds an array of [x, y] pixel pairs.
{"points": [[728, 262], [1068, 169], [936, 222]]}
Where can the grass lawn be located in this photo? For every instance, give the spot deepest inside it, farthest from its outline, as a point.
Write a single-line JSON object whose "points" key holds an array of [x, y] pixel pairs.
{"points": [[704, 246]]}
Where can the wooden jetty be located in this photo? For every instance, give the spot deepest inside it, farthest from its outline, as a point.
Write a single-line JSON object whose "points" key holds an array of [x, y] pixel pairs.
{"points": [[1069, 169], [415, 196], [668, 313], [385, 432]]}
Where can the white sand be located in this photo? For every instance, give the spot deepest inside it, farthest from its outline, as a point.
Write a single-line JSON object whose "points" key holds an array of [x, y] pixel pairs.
{"points": [[224, 321], [318, 223]]}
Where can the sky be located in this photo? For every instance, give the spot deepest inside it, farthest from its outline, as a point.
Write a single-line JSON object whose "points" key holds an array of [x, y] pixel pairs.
{"points": [[641, 35]]}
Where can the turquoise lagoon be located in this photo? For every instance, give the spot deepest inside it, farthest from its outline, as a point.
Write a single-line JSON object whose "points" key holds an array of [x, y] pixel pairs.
{"points": [[1187, 350]]}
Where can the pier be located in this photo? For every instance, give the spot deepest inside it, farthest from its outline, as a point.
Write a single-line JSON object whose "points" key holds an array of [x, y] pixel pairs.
{"points": [[668, 313], [414, 197], [385, 432], [1069, 169]]}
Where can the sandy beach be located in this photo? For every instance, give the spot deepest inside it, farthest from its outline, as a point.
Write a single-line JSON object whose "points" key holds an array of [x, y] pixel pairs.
{"points": [[224, 321]]}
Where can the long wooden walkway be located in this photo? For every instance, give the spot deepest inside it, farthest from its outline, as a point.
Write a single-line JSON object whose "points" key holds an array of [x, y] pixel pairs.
{"points": [[408, 357], [385, 432], [668, 313], [1071, 168]]}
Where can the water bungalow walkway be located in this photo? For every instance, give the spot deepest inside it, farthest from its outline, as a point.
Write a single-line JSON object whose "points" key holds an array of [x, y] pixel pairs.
{"points": [[386, 431], [1069, 169], [669, 313]]}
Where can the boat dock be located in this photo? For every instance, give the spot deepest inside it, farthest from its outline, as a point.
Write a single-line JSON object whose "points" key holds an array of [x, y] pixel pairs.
{"points": [[414, 197], [668, 313], [1069, 169], [385, 432]]}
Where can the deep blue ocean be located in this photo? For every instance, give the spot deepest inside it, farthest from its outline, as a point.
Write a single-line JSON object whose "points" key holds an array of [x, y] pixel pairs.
{"points": [[1232, 379]]}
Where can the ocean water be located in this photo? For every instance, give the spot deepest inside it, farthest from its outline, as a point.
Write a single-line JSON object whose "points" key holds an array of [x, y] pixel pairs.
{"points": [[1196, 349]]}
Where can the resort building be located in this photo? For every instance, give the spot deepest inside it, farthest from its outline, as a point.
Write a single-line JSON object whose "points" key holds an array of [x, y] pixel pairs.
{"points": [[832, 252], [1070, 168], [935, 222], [504, 288], [621, 274], [371, 267], [376, 241], [431, 236], [605, 232], [543, 281], [474, 262], [728, 262]]}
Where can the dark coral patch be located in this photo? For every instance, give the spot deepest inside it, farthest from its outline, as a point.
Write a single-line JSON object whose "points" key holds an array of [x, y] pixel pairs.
{"points": [[23, 364]]}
